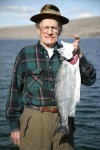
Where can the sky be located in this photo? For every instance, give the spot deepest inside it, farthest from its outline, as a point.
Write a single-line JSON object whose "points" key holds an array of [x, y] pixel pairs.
{"points": [[19, 12]]}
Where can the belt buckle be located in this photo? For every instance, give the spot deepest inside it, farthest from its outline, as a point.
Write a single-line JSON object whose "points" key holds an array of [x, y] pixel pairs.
{"points": [[52, 110]]}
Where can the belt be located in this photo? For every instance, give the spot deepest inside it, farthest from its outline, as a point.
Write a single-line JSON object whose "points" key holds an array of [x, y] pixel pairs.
{"points": [[50, 109], [44, 109]]}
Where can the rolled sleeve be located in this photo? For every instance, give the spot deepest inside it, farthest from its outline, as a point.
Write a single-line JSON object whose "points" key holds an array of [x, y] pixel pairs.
{"points": [[88, 73]]}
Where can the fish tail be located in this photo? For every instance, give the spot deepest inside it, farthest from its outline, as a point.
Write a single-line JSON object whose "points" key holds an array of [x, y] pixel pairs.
{"points": [[61, 128]]}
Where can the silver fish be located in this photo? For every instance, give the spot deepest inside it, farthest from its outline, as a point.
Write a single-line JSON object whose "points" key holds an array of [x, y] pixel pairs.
{"points": [[67, 87]]}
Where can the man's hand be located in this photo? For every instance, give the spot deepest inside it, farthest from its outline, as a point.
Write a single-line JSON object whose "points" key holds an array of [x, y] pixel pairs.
{"points": [[76, 44], [15, 136]]}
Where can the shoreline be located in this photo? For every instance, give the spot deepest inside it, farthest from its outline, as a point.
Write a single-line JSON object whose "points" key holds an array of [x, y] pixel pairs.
{"points": [[85, 28]]}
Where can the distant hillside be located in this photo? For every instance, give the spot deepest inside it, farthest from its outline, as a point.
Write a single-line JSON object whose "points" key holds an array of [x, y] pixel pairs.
{"points": [[87, 27]]}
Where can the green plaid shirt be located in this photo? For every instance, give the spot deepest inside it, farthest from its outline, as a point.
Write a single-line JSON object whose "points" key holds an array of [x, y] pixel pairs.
{"points": [[33, 80]]}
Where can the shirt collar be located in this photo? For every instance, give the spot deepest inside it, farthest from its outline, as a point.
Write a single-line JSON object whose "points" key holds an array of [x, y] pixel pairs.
{"points": [[41, 48]]}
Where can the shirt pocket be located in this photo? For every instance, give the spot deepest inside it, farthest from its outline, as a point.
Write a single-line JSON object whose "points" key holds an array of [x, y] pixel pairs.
{"points": [[34, 78]]}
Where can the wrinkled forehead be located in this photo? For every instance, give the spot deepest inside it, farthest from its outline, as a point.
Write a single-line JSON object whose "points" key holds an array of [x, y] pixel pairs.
{"points": [[49, 22]]}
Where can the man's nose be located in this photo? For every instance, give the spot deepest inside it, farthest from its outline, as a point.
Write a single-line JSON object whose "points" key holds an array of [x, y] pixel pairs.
{"points": [[50, 31]]}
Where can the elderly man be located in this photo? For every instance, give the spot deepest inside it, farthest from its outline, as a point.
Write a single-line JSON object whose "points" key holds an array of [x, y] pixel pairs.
{"points": [[31, 106]]}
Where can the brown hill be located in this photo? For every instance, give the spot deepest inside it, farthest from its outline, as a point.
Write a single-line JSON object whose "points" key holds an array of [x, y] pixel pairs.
{"points": [[87, 27]]}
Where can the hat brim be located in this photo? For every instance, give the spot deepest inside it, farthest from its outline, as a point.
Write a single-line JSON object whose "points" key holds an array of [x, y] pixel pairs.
{"points": [[39, 17]]}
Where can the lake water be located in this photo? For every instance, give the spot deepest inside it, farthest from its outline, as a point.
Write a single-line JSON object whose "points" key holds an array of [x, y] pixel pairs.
{"points": [[87, 120]]}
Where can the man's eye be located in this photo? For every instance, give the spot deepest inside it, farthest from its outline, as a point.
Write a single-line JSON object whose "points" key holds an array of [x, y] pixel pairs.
{"points": [[46, 27]]}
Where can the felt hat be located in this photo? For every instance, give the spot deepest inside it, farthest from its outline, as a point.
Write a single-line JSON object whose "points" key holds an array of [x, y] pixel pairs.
{"points": [[49, 11]]}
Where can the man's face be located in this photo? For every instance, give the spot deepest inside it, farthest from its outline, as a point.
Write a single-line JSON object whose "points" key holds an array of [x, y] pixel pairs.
{"points": [[48, 31]]}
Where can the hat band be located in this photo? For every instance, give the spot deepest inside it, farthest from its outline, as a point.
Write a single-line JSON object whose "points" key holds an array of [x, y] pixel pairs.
{"points": [[50, 12]]}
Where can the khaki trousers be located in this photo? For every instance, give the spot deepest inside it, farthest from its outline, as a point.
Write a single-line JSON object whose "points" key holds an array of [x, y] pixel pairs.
{"points": [[37, 132]]}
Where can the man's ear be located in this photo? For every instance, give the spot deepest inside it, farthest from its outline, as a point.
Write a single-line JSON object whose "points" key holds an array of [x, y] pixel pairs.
{"points": [[38, 31], [59, 32]]}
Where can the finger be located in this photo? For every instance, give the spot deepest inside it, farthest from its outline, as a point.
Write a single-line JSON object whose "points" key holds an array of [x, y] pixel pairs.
{"points": [[15, 136], [16, 140], [18, 143], [76, 37]]}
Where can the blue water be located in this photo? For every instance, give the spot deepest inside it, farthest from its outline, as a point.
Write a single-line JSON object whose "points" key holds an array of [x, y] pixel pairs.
{"points": [[87, 120]]}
